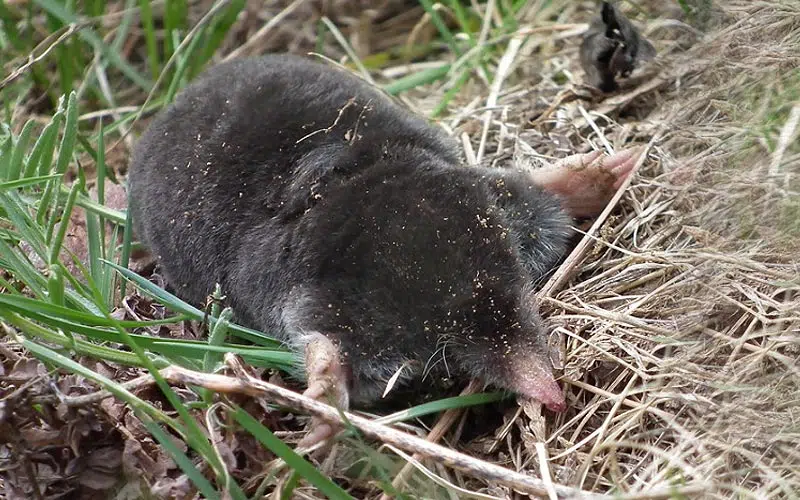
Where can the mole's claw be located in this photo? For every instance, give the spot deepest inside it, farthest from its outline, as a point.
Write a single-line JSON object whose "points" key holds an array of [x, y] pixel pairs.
{"points": [[326, 381], [587, 182], [578, 161], [318, 431]]}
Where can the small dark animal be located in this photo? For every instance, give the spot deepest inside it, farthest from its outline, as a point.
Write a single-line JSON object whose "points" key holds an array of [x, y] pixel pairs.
{"points": [[345, 225], [612, 47]]}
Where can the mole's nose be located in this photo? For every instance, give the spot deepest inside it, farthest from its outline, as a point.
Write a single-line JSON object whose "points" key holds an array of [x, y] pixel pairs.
{"points": [[557, 404], [532, 380], [550, 394]]}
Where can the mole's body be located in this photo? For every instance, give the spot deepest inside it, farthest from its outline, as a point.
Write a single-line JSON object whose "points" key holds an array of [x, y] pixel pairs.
{"points": [[612, 47], [326, 211]]}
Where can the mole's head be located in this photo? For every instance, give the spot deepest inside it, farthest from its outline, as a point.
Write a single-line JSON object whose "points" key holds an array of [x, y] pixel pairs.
{"points": [[504, 343]]}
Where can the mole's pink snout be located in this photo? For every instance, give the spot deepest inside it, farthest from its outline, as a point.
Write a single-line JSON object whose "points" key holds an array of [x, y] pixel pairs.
{"points": [[550, 394], [532, 380]]}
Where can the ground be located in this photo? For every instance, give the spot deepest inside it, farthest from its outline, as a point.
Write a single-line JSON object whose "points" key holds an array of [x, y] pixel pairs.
{"points": [[677, 316]]}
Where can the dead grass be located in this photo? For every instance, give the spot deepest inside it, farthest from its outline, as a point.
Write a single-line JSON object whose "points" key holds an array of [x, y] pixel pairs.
{"points": [[682, 329]]}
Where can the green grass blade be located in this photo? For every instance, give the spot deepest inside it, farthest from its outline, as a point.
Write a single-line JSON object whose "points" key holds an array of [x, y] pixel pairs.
{"points": [[67, 146], [100, 328], [6, 147], [29, 181], [12, 33], [153, 57], [90, 205], [66, 73], [22, 303], [181, 67], [20, 148], [437, 21], [125, 256], [451, 93], [215, 34], [292, 459], [414, 80], [57, 243], [177, 305], [442, 405], [41, 156], [217, 339], [96, 249], [55, 286], [45, 166], [23, 270], [78, 346], [182, 461], [23, 223], [175, 21]]}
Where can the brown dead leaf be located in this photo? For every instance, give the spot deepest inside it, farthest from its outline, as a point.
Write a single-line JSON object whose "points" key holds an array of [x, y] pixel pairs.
{"points": [[36, 437], [173, 488], [148, 460], [100, 470], [107, 458], [97, 480], [114, 408], [25, 369]]}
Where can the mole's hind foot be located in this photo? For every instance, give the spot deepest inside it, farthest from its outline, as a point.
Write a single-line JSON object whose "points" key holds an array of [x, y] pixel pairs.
{"points": [[587, 182], [326, 381]]}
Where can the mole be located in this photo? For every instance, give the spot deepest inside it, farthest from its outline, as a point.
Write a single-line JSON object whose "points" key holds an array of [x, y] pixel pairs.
{"points": [[612, 47], [347, 226]]}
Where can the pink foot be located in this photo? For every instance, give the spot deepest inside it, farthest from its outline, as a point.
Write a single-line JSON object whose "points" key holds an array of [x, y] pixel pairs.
{"points": [[326, 378], [587, 182]]}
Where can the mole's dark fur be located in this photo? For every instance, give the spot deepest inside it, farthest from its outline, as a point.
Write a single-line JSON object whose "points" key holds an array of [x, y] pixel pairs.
{"points": [[612, 46], [320, 205]]}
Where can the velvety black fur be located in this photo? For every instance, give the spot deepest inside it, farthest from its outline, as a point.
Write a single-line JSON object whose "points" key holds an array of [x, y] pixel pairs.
{"points": [[611, 47], [320, 205]]}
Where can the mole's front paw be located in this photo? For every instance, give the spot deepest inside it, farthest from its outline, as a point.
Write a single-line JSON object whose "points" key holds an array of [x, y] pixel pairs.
{"points": [[587, 182], [327, 382]]}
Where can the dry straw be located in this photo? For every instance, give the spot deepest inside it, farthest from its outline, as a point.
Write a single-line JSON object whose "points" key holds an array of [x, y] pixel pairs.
{"points": [[681, 322]]}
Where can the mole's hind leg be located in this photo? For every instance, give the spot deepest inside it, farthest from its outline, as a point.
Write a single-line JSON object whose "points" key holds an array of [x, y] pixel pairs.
{"points": [[326, 378], [587, 182]]}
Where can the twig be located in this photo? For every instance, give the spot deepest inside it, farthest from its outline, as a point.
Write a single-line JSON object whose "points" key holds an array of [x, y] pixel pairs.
{"points": [[579, 27], [469, 465], [412, 462], [251, 386], [788, 133], [565, 96], [348, 49], [503, 68], [544, 470], [60, 36], [350, 102], [596, 129], [263, 31], [96, 397]]}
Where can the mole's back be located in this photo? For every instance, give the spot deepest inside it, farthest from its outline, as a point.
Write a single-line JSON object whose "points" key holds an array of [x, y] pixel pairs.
{"points": [[253, 140]]}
